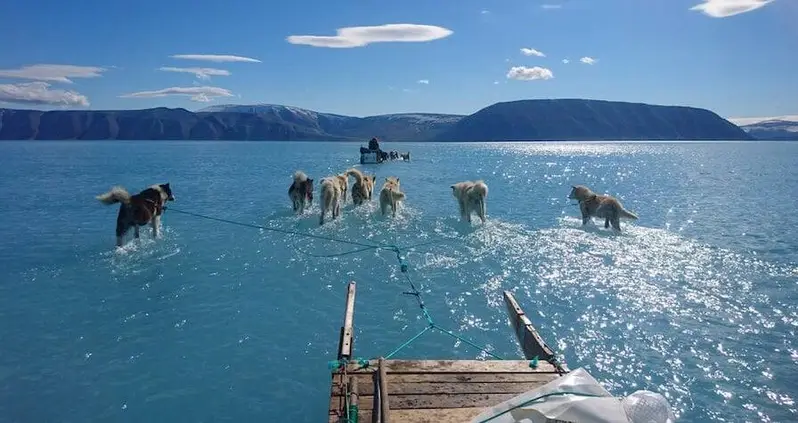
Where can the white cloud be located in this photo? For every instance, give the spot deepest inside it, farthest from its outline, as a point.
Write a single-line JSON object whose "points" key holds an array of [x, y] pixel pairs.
{"points": [[551, 6], [484, 12], [200, 73], [726, 8], [588, 60], [359, 36], [203, 94], [753, 120], [218, 58], [566, 61], [531, 52], [423, 81], [38, 93], [52, 73], [495, 82], [523, 73]]}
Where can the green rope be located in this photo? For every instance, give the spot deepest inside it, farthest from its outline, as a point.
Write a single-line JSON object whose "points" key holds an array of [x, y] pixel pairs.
{"points": [[414, 291], [408, 342], [525, 403], [460, 338], [283, 231]]}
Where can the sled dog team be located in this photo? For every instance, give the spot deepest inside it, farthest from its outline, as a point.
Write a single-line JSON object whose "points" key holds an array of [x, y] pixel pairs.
{"points": [[147, 206], [470, 195]]}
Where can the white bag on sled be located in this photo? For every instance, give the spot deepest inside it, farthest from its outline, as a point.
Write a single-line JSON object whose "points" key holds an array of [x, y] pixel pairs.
{"points": [[578, 398]]}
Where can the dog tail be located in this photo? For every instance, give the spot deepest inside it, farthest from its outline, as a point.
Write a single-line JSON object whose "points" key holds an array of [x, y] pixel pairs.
{"points": [[299, 176], [115, 195], [627, 214], [357, 174], [397, 195]]}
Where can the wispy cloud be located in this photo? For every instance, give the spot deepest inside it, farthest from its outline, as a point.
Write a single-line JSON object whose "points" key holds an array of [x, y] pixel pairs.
{"points": [[52, 73], [523, 73], [551, 6], [484, 12], [532, 52], [566, 61], [423, 81], [39, 93], [495, 82], [202, 94], [359, 36], [726, 8], [588, 60], [218, 58], [200, 73]]}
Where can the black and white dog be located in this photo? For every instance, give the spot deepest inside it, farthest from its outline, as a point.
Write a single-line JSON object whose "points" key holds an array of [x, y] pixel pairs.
{"points": [[138, 210]]}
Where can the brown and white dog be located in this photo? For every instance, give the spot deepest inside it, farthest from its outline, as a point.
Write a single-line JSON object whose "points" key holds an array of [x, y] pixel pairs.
{"points": [[390, 195], [363, 186], [301, 191], [330, 197], [138, 210], [470, 197], [602, 206]]}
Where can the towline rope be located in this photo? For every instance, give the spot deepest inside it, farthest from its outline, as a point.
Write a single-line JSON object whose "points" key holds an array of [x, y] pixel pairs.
{"points": [[403, 267]]}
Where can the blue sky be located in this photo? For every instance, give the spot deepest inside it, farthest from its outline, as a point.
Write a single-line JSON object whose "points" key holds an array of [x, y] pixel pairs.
{"points": [[735, 57]]}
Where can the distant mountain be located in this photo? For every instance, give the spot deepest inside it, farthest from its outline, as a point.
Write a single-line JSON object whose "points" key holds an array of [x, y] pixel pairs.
{"points": [[151, 124], [395, 127], [518, 120], [775, 129], [584, 120]]}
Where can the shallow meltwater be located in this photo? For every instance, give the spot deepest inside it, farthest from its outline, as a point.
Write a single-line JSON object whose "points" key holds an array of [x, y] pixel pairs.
{"points": [[220, 322], [645, 309]]}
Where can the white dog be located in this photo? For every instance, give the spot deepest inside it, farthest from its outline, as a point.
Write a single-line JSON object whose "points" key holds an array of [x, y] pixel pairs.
{"points": [[330, 197], [390, 195], [470, 196]]}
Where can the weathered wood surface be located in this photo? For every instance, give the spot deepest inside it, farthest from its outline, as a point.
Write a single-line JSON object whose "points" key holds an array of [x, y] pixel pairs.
{"points": [[455, 366], [385, 406], [528, 338], [347, 331], [437, 390], [429, 415]]}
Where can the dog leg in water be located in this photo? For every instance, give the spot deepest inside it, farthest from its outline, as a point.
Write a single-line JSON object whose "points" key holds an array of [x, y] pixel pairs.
{"points": [[616, 222], [481, 211], [606, 223], [585, 213], [136, 231], [156, 222]]}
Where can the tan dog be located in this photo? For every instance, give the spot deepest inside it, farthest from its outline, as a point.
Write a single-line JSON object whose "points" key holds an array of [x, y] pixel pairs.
{"points": [[330, 197], [363, 186], [390, 195], [370, 181], [343, 184], [602, 206], [470, 197]]}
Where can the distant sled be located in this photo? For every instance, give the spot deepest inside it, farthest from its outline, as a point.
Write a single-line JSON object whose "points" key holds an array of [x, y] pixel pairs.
{"points": [[373, 154]]}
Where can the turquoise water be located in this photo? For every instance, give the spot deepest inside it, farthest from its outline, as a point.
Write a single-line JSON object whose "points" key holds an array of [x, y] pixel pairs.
{"points": [[214, 322]]}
